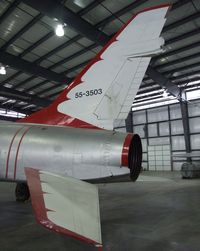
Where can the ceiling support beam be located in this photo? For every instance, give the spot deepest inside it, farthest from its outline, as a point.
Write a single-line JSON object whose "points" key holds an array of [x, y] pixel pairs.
{"points": [[146, 88], [164, 82], [36, 44], [185, 121], [180, 95], [179, 60], [190, 67], [183, 21], [129, 122], [31, 68], [9, 10], [54, 9], [47, 36], [121, 12], [76, 54], [22, 31], [57, 49], [100, 24], [28, 98], [8, 118], [89, 7], [14, 109], [182, 37], [26, 51], [186, 75], [132, 6], [176, 51]]}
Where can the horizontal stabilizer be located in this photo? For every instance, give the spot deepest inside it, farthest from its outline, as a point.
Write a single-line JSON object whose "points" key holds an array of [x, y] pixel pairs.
{"points": [[65, 205]]}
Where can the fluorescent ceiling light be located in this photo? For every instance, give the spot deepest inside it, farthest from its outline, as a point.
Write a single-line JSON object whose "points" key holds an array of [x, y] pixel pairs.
{"points": [[59, 30], [2, 70]]}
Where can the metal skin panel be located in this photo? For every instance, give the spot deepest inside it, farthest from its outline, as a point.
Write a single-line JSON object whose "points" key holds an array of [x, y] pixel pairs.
{"points": [[80, 153], [8, 135], [80, 200]]}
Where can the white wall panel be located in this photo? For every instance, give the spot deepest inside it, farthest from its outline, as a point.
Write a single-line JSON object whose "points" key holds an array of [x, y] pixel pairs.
{"points": [[144, 145], [119, 122], [157, 114], [159, 157], [193, 110], [175, 111], [139, 117], [177, 166], [178, 143], [144, 165], [197, 157], [195, 141], [176, 127], [178, 158], [120, 129], [152, 130], [159, 133], [139, 130], [159, 141], [194, 124], [144, 156], [164, 128]]}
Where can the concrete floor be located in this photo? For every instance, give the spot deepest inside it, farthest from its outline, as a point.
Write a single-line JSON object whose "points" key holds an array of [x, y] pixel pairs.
{"points": [[159, 212]]}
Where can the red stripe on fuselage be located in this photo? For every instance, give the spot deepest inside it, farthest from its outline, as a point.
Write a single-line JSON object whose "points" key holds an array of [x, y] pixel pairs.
{"points": [[17, 152], [9, 150]]}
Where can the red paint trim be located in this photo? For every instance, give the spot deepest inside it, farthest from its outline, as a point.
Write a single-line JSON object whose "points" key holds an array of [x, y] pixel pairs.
{"points": [[50, 115], [9, 150], [17, 152], [125, 149], [40, 211]]}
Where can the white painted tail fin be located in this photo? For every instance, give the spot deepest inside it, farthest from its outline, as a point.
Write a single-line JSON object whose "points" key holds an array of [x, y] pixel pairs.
{"points": [[106, 88]]}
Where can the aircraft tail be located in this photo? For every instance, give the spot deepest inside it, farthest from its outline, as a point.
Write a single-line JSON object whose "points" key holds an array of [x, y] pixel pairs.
{"points": [[105, 89]]}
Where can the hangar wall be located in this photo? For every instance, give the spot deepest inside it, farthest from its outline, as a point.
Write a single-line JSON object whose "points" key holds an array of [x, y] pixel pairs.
{"points": [[163, 126]]}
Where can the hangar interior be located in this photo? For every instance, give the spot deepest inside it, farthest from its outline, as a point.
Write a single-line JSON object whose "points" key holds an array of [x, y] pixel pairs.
{"points": [[36, 65], [162, 132], [39, 64]]}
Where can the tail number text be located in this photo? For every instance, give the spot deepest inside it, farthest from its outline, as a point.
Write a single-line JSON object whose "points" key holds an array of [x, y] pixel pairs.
{"points": [[88, 93]]}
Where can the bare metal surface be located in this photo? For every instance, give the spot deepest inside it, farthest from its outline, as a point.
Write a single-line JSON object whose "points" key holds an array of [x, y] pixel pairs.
{"points": [[80, 153]]}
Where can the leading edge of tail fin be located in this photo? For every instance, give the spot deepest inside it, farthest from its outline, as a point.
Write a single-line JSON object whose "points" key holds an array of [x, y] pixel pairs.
{"points": [[105, 89]]}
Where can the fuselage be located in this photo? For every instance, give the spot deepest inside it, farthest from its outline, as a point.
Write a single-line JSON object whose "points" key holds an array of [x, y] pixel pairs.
{"points": [[80, 153]]}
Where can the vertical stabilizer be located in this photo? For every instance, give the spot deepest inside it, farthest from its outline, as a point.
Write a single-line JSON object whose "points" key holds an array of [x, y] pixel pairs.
{"points": [[106, 87]]}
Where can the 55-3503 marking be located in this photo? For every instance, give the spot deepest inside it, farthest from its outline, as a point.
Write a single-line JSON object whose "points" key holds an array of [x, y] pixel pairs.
{"points": [[88, 93]]}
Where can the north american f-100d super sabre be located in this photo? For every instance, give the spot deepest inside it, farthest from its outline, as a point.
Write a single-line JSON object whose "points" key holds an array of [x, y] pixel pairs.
{"points": [[74, 138]]}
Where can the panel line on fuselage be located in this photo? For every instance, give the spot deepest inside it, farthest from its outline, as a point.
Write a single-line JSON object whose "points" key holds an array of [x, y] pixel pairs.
{"points": [[17, 152], [9, 150]]}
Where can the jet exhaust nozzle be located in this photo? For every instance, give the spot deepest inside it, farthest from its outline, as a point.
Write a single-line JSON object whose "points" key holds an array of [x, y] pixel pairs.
{"points": [[135, 157]]}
